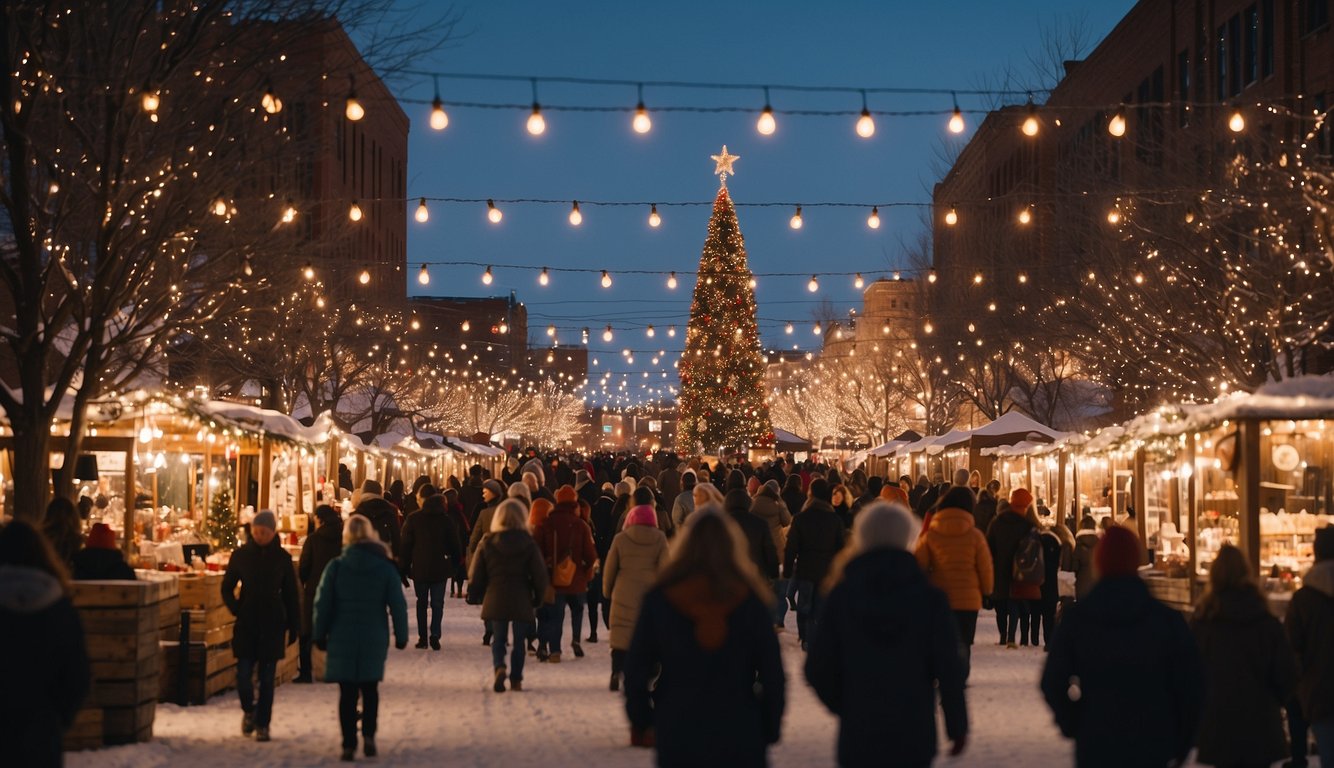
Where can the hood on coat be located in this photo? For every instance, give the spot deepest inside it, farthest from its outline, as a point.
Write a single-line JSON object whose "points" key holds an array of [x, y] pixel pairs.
{"points": [[1118, 600], [1321, 577], [1088, 539], [365, 554], [27, 590], [694, 598], [952, 521], [1240, 605], [871, 579], [737, 500], [510, 542], [643, 535]]}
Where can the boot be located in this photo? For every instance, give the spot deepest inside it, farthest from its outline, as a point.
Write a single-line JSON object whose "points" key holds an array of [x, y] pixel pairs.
{"points": [[593, 636], [435, 643], [578, 650], [349, 754], [262, 734], [615, 681], [421, 643], [516, 685], [486, 637], [554, 658], [247, 724], [499, 686], [369, 747]]}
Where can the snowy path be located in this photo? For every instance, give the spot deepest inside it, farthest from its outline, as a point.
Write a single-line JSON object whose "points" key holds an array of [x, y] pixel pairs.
{"points": [[438, 709]]}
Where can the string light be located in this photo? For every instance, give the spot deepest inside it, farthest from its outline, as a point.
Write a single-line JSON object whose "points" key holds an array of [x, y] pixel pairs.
{"points": [[956, 123], [671, 331], [817, 329], [865, 123], [606, 334], [576, 218], [270, 102], [1025, 215], [1236, 123], [977, 279], [788, 329], [422, 214], [931, 276], [466, 326], [537, 125], [873, 221], [220, 207], [439, 120], [1114, 216], [544, 278], [308, 271], [1117, 125], [365, 277], [951, 217], [606, 279], [487, 277], [671, 281], [354, 212], [928, 327], [654, 220], [424, 278], [858, 282], [1030, 126], [650, 332], [492, 212], [766, 124], [1023, 278], [150, 100], [551, 330], [289, 213], [247, 267], [795, 222], [641, 122], [813, 285], [353, 109]]}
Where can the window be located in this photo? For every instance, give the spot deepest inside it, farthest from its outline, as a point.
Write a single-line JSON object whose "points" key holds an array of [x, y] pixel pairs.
{"points": [[1250, 64], [1267, 38], [1220, 56], [1234, 74], [1316, 16], [1183, 88]]}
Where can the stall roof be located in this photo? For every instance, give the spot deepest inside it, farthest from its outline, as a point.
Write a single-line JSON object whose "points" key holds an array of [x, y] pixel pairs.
{"points": [[782, 436], [271, 423], [474, 448], [1016, 423]]}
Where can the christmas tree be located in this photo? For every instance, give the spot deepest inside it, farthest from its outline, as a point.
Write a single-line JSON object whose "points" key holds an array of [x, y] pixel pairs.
{"points": [[220, 525], [722, 401]]}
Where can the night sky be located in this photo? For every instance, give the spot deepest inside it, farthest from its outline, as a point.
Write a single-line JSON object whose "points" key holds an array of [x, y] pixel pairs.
{"points": [[486, 153]]}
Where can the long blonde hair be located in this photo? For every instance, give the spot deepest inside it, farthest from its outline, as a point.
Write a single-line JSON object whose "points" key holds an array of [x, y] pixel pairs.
{"points": [[357, 529], [712, 545]]}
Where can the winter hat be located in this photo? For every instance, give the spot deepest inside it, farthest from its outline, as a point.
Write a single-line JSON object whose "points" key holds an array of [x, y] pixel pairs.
{"points": [[1020, 499], [643, 495], [624, 489], [874, 484], [753, 485], [821, 491], [566, 494], [371, 486], [961, 476], [537, 514], [581, 478], [882, 525], [1088, 523], [495, 487], [958, 497], [327, 515], [770, 488], [1117, 554], [100, 536], [642, 515], [892, 494], [520, 491], [608, 488], [266, 519], [1324, 543]]}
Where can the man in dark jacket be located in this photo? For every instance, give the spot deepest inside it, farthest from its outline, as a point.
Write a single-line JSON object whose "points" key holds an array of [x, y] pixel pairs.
{"points": [[267, 608], [761, 542], [1124, 677], [322, 545], [492, 494], [815, 536], [1310, 625], [470, 495], [99, 558], [432, 549], [885, 645], [1003, 536], [984, 511], [382, 514]]}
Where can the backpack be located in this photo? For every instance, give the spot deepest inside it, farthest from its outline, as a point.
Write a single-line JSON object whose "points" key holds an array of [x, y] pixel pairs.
{"points": [[1029, 561]]}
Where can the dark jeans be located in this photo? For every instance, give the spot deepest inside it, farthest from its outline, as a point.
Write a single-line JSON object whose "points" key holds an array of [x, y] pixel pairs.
{"points": [[347, 710], [245, 689], [1002, 608], [966, 621], [780, 602], [595, 598], [1019, 612], [554, 627], [1044, 619], [499, 629], [1297, 730], [304, 666], [808, 608], [434, 592]]}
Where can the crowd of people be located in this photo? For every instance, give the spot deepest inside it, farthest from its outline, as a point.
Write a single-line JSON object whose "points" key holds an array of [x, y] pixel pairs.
{"points": [[693, 569]]}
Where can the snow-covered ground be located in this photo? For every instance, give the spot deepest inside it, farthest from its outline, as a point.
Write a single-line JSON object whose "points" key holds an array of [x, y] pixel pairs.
{"points": [[437, 708]]}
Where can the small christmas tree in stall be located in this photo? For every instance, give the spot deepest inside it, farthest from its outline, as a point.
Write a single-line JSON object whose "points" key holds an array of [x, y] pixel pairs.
{"points": [[220, 524], [722, 402]]}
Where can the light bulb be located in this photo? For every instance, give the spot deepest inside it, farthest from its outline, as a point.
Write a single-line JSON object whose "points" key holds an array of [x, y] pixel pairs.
{"points": [[493, 213], [364, 277], [576, 218], [544, 278], [654, 219], [606, 279], [145, 434], [813, 285], [795, 222], [956, 124], [873, 221], [977, 279], [354, 110], [1030, 126], [641, 122], [308, 271], [551, 330], [816, 330], [289, 213], [766, 124], [1025, 216], [671, 331], [247, 267], [858, 282], [865, 124], [1190, 217], [928, 327], [220, 207], [606, 335], [150, 100], [788, 330], [751, 283], [536, 124], [931, 276], [422, 214], [1023, 278], [439, 120], [354, 212], [467, 326], [424, 277], [671, 281], [1114, 216], [650, 332], [487, 277], [951, 217], [1117, 125], [270, 102], [1237, 123]]}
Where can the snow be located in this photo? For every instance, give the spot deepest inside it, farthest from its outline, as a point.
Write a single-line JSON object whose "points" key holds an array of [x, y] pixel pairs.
{"points": [[438, 709]]}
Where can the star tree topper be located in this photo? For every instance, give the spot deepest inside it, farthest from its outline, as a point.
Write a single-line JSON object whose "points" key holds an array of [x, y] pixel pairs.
{"points": [[724, 165]]}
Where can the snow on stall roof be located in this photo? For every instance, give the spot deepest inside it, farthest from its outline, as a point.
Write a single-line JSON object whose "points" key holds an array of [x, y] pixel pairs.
{"points": [[948, 440], [1014, 423], [272, 423], [783, 436]]}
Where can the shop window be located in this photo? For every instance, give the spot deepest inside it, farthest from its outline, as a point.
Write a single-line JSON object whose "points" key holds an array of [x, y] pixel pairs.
{"points": [[1267, 38], [1250, 63], [1183, 88], [1315, 16]]}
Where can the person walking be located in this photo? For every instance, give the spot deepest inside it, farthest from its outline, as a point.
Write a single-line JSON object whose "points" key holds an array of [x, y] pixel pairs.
{"points": [[793, 495], [383, 515], [704, 676], [633, 560], [984, 511], [321, 547], [432, 549], [603, 523], [355, 592], [492, 493], [266, 609], [1054, 552], [1007, 532], [99, 558], [956, 559], [43, 658], [567, 547], [886, 644], [1310, 626], [1249, 669], [685, 500], [768, 506], [508, 578], [454, 508], [760, 542], [1081, 559], [815, 536], [1124, 677]]}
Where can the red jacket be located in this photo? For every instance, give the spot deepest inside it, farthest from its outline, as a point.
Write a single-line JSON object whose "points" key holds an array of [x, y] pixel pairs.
{"points": [[564, 534]]}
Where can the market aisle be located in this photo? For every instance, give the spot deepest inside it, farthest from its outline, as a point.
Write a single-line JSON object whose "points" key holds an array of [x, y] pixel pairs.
{"points": [[437, 708]]}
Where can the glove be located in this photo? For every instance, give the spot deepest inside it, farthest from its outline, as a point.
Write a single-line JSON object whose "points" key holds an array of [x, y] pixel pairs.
{"points": [[958, 747], [400, 644], [322, 643]]}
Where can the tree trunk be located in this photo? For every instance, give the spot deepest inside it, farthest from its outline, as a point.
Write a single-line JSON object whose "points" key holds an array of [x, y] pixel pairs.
{"points": [[63, 478], [32, 465]]}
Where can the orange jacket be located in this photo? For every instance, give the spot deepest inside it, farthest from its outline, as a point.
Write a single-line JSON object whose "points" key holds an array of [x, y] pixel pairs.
{"points": [[956, 558]]}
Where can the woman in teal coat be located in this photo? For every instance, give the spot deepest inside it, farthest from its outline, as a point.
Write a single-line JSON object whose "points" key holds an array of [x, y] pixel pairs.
{"points": [[354, 593]]}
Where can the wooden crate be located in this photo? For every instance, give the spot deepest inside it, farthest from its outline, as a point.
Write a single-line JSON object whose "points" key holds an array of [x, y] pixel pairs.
{"points": [[169, 619], [208, 671], [211, 627], [86, 730], [200, 590], [288, 666], [126, 725]]}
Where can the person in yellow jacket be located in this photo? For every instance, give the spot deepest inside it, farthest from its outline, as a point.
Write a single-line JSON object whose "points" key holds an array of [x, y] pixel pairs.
{"points": [[955, 556]]}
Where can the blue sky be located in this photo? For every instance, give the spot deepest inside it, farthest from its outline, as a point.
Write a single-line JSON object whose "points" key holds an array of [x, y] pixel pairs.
{"points": [[596, 156]]}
